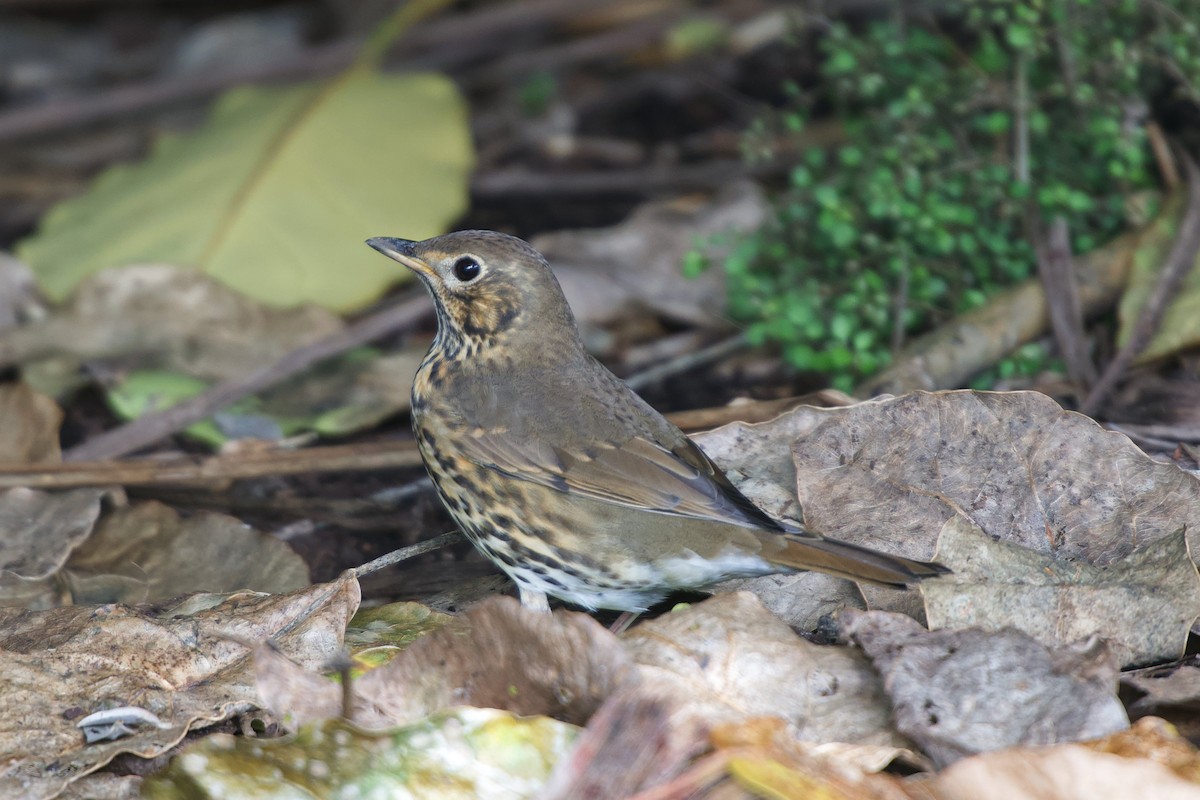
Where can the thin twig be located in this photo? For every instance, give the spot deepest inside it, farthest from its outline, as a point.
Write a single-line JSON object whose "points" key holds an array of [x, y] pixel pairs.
{"points": [[1056, 271], [328, 458], [405, 553], [1171, 434], [517, 182], [1022, 167], [900, 306], [123, 101], [487, 23], [1162, 155], [1179, 263], [687, 361], [149, 429], [1147, 443], [214, 469]]}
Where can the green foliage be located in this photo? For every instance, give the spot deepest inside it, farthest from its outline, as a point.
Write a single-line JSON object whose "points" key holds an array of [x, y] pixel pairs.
{"points": [[1030, 109]]}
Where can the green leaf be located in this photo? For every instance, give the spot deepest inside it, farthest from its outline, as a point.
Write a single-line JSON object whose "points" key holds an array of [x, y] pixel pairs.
{"points": [[461, 753], [275, 194]]}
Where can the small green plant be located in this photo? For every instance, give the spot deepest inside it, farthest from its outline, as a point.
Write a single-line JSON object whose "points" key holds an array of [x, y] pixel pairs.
{"points": [[952, 143]]}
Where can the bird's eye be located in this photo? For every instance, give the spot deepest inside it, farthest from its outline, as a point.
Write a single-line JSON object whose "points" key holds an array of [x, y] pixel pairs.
{"points": [[467, 269]]}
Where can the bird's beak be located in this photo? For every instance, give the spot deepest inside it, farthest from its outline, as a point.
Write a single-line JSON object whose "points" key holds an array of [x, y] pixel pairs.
{"points": [[401, 250]]}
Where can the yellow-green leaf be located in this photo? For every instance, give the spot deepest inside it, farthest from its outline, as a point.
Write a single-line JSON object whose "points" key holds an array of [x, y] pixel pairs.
{"points": [[1179, 328], [276, 193]]}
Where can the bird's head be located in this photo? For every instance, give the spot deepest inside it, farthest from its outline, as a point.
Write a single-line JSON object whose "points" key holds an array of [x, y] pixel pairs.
{"points": [[488, 287]]}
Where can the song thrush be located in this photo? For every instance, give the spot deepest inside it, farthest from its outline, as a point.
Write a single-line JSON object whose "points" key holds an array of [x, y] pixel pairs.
{"points": [[557, 471]]}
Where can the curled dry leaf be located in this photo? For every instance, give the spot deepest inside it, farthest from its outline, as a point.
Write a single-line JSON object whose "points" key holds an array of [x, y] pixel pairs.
{"points": [[188, 669], [1172, 692], [957, 693], [147, 552], [40, 530], [730, 658], [29, 433], [1148, 761], [1143, 606], [496, 655], [167, 317]]}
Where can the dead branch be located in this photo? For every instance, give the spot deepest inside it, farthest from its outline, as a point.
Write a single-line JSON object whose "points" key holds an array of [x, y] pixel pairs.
{"points": [[149, 429], [1178, 264]]}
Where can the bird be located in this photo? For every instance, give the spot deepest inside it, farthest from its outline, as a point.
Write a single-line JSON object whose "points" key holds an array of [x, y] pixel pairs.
{"points": [[561, 474]]}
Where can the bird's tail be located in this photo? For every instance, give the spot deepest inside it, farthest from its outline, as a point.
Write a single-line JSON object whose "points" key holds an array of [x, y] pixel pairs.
{"points": [[845, 560]]}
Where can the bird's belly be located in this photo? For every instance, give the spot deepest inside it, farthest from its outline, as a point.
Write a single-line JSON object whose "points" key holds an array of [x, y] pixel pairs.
{"points": [[588, 552]]}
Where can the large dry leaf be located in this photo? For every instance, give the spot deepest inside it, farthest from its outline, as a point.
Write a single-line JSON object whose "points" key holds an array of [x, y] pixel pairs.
{"points": [[275, 194], [462, 754], [190, 668], [889, 473], [956, 693], [147, 552], [1143, 606], [29, 423], [1015, 464], [39, 531], [1147, 761], [497, 655], [730, 659]]}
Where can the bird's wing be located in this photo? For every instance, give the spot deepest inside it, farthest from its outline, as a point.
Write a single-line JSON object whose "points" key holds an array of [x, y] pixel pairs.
{"points": [[636, 473]]}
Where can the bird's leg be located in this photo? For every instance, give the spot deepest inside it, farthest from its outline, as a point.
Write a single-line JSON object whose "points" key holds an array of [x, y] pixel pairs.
{"points": [[533, 599]]}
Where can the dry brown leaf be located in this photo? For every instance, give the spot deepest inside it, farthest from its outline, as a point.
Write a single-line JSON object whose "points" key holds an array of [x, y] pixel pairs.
{"points": [[757, 457], [39, 531], [1148, 761], [104, 786], [1015, 464], [605, 271], [957, 693], [889, 473], [168, 317], [29, 433], [766, 761], [147, 552], [643, 735], [1143, 606], [188, 669], [496, 655], [730, 659], [1172, 692]]}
